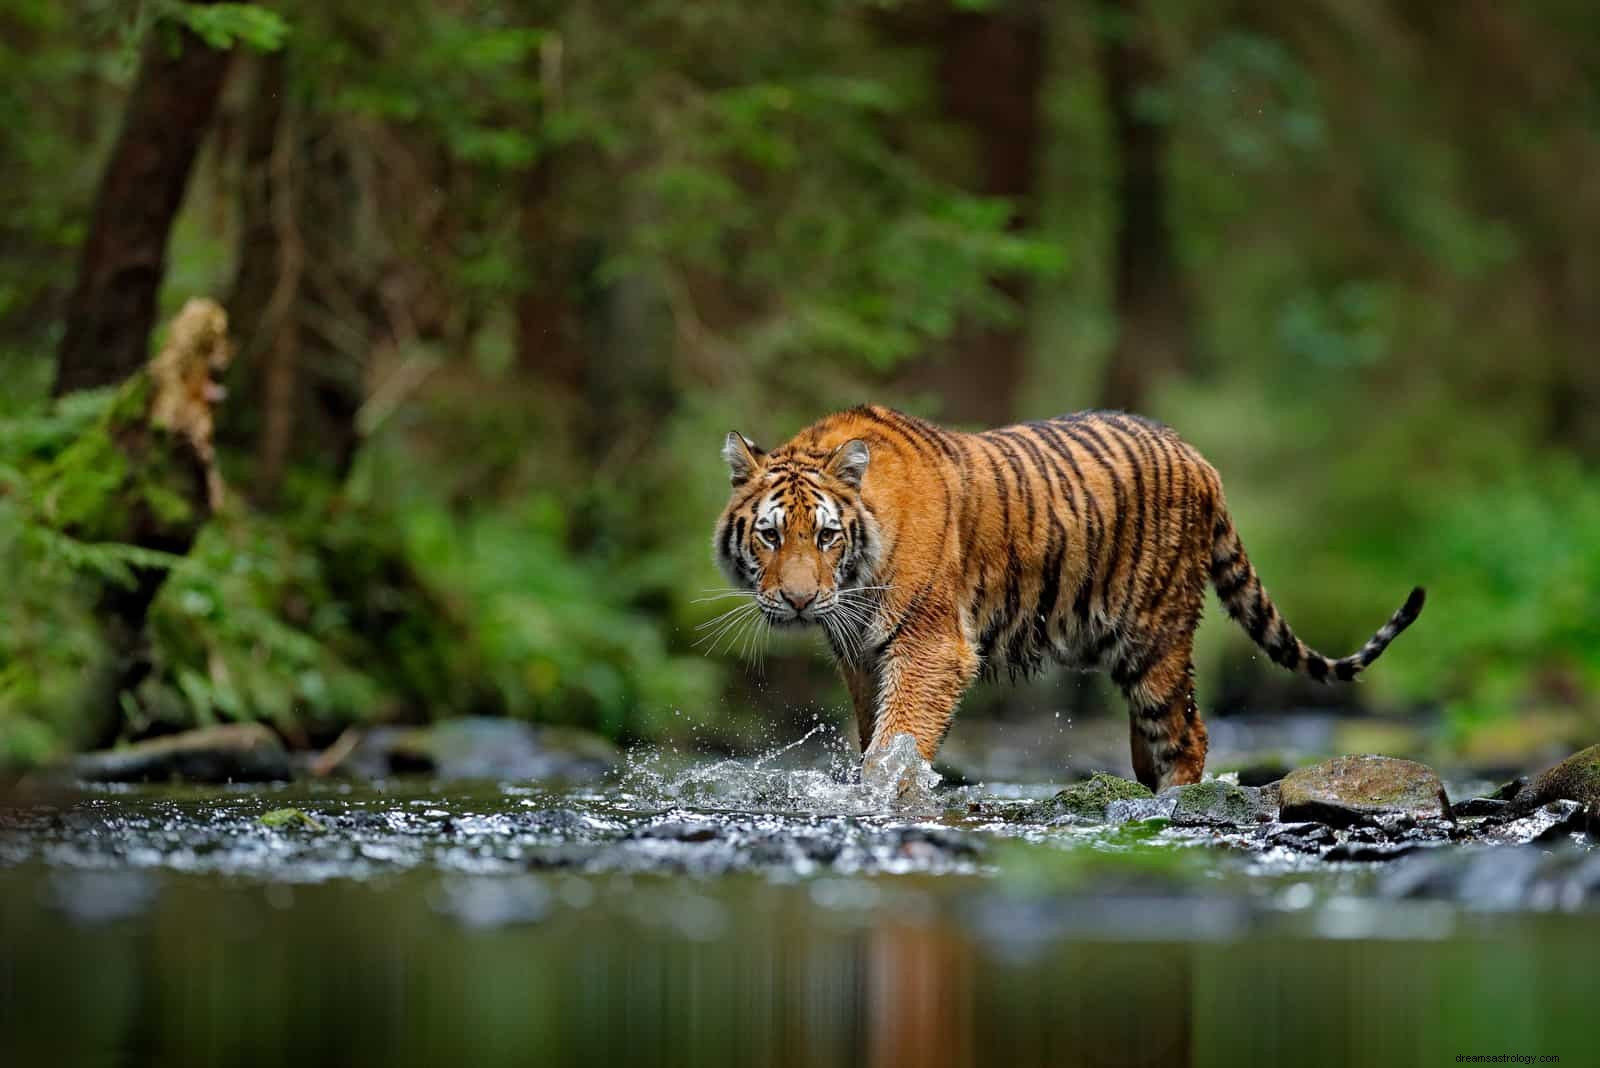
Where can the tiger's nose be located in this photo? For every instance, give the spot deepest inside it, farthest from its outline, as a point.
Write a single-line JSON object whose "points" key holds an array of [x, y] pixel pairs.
{"points": [[798, 601]]}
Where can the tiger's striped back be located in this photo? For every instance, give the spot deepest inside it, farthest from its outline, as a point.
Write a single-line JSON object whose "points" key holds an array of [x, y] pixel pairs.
{"points": [[1087, 539]]}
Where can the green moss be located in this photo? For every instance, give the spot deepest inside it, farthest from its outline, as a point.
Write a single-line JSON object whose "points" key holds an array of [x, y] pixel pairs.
{"points": [[289, 819], [1213, 802], [1576, 778], [1089, 798]]}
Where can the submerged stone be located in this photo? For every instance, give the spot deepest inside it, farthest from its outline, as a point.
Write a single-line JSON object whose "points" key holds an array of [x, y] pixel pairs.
{"points": [[1358, 789], [1370, 851], [235, 752], [1090, 798]]}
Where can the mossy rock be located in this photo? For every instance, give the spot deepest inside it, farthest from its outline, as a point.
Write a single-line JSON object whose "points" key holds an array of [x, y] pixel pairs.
{"points": [[289, 819], [1357, 789], [1215, 803], [1576, 778], [1088, 799]]}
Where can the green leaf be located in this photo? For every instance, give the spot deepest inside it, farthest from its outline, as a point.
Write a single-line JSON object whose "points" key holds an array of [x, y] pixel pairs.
{"points": [[221, 26]]}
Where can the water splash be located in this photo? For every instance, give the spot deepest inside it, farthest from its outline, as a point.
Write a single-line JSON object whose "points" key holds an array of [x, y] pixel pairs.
{"points": [[785, 779], [898, 774]]}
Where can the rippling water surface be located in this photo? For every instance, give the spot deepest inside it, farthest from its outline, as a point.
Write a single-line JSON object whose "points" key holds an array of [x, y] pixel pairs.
{"points": [[776, 909]]}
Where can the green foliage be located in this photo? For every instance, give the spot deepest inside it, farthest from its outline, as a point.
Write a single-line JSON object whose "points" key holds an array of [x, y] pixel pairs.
{"points": [[753, 213], [222, 26]]}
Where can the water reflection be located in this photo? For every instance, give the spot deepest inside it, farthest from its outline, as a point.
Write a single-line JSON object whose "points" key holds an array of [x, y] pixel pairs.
{"points": [[427, 970]]}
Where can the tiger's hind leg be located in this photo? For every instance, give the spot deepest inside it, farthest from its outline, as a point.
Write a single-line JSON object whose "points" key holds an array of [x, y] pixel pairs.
{"points": [[1168, 737]]}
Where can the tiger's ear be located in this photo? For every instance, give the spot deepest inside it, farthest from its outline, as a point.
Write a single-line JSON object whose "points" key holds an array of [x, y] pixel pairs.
{"points": [[848, 463], [742, 455]]}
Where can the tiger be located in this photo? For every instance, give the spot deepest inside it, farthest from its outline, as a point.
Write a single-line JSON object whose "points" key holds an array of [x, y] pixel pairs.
{"points": [[931, 557]]}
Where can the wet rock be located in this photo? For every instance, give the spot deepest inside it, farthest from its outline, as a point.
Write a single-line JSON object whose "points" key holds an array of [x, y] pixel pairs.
{"points": [[235, 752], [1088, 799], [1503, 879], [483, 748], [926, 841], [1216, 804], [680, 831], [1548, 823], [1357, 789], [1141, 808], [1476, 807], [1510, 790], [1302, 837], [1576, 778], [1370, 851]]}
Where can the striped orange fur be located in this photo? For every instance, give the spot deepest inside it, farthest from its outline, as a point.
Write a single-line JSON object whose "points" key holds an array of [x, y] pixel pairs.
{"points": [[931, 557]]}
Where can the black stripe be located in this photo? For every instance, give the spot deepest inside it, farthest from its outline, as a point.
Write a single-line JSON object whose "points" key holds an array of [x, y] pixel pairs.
{"points": [[1221, 567], [1136, 546], [1261, 615], [1019, 469], [1097, 448], [1061, 451], [888, 417], [905, 616], [1287, 649], [1231, 584], [1317, 667], [1180, 552], [1050, 588]]}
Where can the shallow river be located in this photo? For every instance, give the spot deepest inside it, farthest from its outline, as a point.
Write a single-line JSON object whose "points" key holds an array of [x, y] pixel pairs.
{"points": [[758, 912]]}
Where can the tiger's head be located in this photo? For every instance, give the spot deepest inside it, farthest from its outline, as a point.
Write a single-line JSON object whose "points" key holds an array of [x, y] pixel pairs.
{"points": [[796, 533]]}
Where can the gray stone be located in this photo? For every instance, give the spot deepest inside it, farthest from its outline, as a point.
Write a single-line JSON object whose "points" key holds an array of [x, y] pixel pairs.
{"points": [[1370, 851], [1479, 806], [1215, 803], [1359, 789], [235, 752]]}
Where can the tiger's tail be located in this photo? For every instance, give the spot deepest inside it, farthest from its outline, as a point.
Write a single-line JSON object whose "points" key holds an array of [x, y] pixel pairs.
{"points": [[1246, 601]]}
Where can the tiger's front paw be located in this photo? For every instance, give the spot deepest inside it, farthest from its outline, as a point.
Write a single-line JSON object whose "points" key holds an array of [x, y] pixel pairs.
{"points": [[896, 771]]}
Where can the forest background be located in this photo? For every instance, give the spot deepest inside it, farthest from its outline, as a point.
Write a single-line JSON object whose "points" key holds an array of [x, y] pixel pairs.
{"points": [[502, 273]]}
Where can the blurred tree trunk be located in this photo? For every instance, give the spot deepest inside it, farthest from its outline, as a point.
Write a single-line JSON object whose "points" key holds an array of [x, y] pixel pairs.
{"points": [[113, 305], [268, 280], [991, 71], [1153, 337], [547, 335], [307, 294]]}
